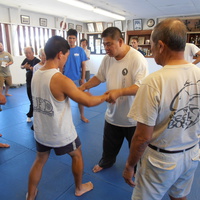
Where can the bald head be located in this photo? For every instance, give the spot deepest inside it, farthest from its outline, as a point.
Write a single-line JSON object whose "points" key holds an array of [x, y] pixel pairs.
{"points": [[172, 32]]}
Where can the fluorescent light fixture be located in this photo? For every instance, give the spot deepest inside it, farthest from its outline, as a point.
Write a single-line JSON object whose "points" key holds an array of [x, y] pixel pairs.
{"points": [[89, 7], [108, 14], [78, 4]]}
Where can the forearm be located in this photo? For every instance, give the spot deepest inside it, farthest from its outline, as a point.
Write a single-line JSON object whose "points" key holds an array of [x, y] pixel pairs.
{"points": [[140, 141], [197, 60], [9, 63], [136, 151], [132, 90], [93, 82], [95, 100]]}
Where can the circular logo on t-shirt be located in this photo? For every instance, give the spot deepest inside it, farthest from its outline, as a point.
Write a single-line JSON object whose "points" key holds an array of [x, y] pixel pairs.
{"points": [[125, 72]]}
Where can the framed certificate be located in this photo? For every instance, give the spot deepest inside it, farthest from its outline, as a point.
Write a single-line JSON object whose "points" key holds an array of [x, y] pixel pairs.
{"points": [[137, 24], [118, 24]]}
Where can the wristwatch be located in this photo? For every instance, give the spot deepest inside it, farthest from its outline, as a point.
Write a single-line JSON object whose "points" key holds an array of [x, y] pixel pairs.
{"points": [[150, 22]]}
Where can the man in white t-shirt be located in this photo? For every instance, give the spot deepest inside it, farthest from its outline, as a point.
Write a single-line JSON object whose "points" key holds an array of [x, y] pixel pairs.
{"points": [[123, 69], [192, 50], [84, 44], [166, 108]]}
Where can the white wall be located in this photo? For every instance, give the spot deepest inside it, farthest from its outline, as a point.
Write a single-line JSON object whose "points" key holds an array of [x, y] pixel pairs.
{"points": [[18, 74], [12, 16], [95, 61]]}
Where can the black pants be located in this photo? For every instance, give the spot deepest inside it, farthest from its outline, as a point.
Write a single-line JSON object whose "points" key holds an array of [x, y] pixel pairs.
{"points": [[30, 112], [112, 142]]}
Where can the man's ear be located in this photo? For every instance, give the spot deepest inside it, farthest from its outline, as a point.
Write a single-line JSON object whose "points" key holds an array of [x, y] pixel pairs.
{"points": [[161, 46], [59, 54], [120, 42]]}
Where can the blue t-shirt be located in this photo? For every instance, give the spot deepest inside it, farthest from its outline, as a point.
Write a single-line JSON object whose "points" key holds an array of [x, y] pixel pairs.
{"points": [[73, 66]]}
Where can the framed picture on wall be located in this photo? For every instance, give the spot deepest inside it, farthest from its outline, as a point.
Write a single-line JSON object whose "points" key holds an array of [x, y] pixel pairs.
{"points": [[99, 26], [137, 24], [25, 19], [109, 24], [43, 22], [90, 27], [79, 28], [118, 24], [70, 25]]}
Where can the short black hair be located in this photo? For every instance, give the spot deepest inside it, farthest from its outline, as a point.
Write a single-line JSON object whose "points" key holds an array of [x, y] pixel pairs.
{"points": [[112, 32], [82, 40], [54, 45], [72, 32]]}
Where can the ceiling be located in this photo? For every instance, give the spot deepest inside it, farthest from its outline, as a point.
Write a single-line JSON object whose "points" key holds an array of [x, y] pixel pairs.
{"points": [[131, 9]]}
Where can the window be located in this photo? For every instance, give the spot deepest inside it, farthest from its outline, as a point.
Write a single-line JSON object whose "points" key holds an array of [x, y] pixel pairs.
{"points": [[21, 36]]}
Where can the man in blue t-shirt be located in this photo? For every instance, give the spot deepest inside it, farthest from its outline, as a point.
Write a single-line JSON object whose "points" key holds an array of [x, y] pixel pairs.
{"points": [[75, 66]]}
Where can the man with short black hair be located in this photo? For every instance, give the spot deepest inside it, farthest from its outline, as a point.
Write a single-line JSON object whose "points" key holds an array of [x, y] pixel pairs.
{"points": [[53, 124], [123, 70], [84, 44], [75, 66]]}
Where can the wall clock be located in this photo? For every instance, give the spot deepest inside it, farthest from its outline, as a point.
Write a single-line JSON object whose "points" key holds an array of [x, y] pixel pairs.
{"points": [[150, 22]]}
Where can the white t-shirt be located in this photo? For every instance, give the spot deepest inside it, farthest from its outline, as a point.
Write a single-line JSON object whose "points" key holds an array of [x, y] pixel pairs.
{"points": [[169, 100], [53, 125], [121, 74], [190, 51], [87, 52], [36, 67]]}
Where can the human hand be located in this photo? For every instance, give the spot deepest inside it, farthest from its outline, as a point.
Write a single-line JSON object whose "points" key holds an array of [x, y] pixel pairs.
{"points": [[27, 66], [112, 96], [128, 175], [2, 99], [81, 81]]}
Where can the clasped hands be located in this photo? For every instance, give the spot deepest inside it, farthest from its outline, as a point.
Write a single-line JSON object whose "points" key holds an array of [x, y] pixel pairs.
{"points": [[112, 95], [28, 66]]}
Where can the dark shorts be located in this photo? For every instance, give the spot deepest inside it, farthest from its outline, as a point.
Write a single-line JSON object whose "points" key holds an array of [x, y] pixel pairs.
{"points": [[60, 150], [87, 75]]}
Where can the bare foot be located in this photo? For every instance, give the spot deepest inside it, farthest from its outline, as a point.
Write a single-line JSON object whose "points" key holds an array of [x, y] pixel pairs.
{"points": [[4, 145], [85, 119], [97, 168], [8, 95], [86, 187]]}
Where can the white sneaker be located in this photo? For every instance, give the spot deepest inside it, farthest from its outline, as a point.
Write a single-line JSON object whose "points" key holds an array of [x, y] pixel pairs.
{"points": [[28, 119]]}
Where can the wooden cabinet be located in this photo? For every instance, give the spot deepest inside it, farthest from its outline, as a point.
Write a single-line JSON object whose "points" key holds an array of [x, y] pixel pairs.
{"points": [[143, 37], [194, 37]]}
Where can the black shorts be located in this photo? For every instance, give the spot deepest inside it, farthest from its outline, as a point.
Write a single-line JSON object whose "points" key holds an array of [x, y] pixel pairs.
{"points": [[60, 150]]}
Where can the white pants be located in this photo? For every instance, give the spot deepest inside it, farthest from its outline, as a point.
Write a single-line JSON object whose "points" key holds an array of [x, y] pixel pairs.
{"points": [[159, 172]]}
